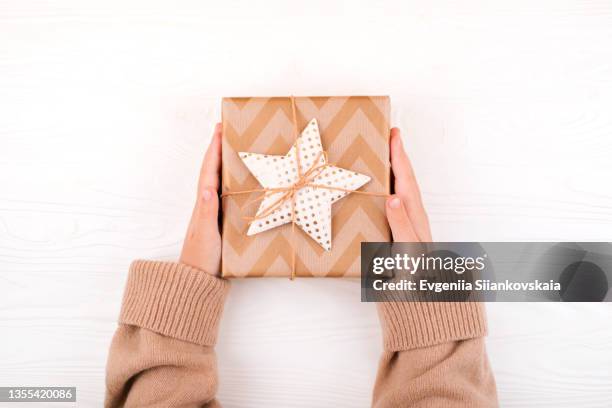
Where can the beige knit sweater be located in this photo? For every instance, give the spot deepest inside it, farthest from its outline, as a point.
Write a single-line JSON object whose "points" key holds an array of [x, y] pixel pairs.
{"points": [[162, 354]]}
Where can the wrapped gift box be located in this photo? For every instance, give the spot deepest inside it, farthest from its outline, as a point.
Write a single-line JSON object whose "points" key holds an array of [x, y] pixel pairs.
{"points": [[354, 133]]}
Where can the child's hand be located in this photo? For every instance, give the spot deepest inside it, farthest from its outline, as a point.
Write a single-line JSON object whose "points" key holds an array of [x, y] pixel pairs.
{"points": [[202, 246], [405, 211]]}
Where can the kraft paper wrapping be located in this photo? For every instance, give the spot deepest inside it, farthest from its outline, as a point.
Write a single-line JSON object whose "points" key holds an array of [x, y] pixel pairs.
{"points": [[354, 133]]}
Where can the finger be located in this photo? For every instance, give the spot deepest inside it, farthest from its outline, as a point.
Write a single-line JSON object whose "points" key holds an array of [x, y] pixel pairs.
{"points": [[405, 181], [400, 224], [209, 173], [204, 222], [407, 187], [202, 245]]}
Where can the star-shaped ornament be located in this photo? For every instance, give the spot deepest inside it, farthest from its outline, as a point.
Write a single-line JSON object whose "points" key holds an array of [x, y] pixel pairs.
{"points": [[312, 204]]}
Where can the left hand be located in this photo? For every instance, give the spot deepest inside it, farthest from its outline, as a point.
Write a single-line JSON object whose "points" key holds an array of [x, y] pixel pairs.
{"points": [[202, 245]]}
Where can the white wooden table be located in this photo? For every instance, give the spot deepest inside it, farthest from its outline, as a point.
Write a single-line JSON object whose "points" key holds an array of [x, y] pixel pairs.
{"points": [[107, 106]]}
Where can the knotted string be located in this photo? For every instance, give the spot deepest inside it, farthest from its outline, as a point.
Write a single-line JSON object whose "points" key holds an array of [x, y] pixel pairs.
{"points": [[289, 193]]}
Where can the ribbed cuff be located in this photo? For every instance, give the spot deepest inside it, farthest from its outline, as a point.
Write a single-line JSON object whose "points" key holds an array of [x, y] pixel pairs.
{"points": [[408, 325], [175, 300]]}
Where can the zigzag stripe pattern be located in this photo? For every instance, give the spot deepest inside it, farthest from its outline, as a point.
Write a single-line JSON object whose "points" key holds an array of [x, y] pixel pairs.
{"points": [[354, 132]]}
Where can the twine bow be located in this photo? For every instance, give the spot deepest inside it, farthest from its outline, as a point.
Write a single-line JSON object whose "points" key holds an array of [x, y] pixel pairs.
{"points": [[288, 193]]}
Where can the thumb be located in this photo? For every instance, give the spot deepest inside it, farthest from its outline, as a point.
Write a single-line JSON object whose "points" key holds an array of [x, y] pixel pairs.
{"points": [[202, 245], [400, 224], [206, 213]]}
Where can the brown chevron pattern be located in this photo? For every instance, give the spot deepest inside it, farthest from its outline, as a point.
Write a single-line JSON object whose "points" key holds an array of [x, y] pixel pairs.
{"points": [[354, 132]]}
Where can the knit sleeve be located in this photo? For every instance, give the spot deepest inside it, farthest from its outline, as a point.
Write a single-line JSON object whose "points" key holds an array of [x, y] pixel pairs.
{"points": [[434, 356], [162, 352]]}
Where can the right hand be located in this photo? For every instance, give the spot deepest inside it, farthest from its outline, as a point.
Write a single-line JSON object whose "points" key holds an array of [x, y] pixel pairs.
{"points": [[405, 211]]}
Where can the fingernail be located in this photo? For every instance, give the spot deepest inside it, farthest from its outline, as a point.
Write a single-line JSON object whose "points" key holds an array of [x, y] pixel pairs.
{"points": [[206, 195], [394, 203], [398, 140]]}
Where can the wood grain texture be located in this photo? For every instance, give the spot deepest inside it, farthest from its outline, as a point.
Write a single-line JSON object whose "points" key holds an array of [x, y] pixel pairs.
{"points": [[107, 106]]}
